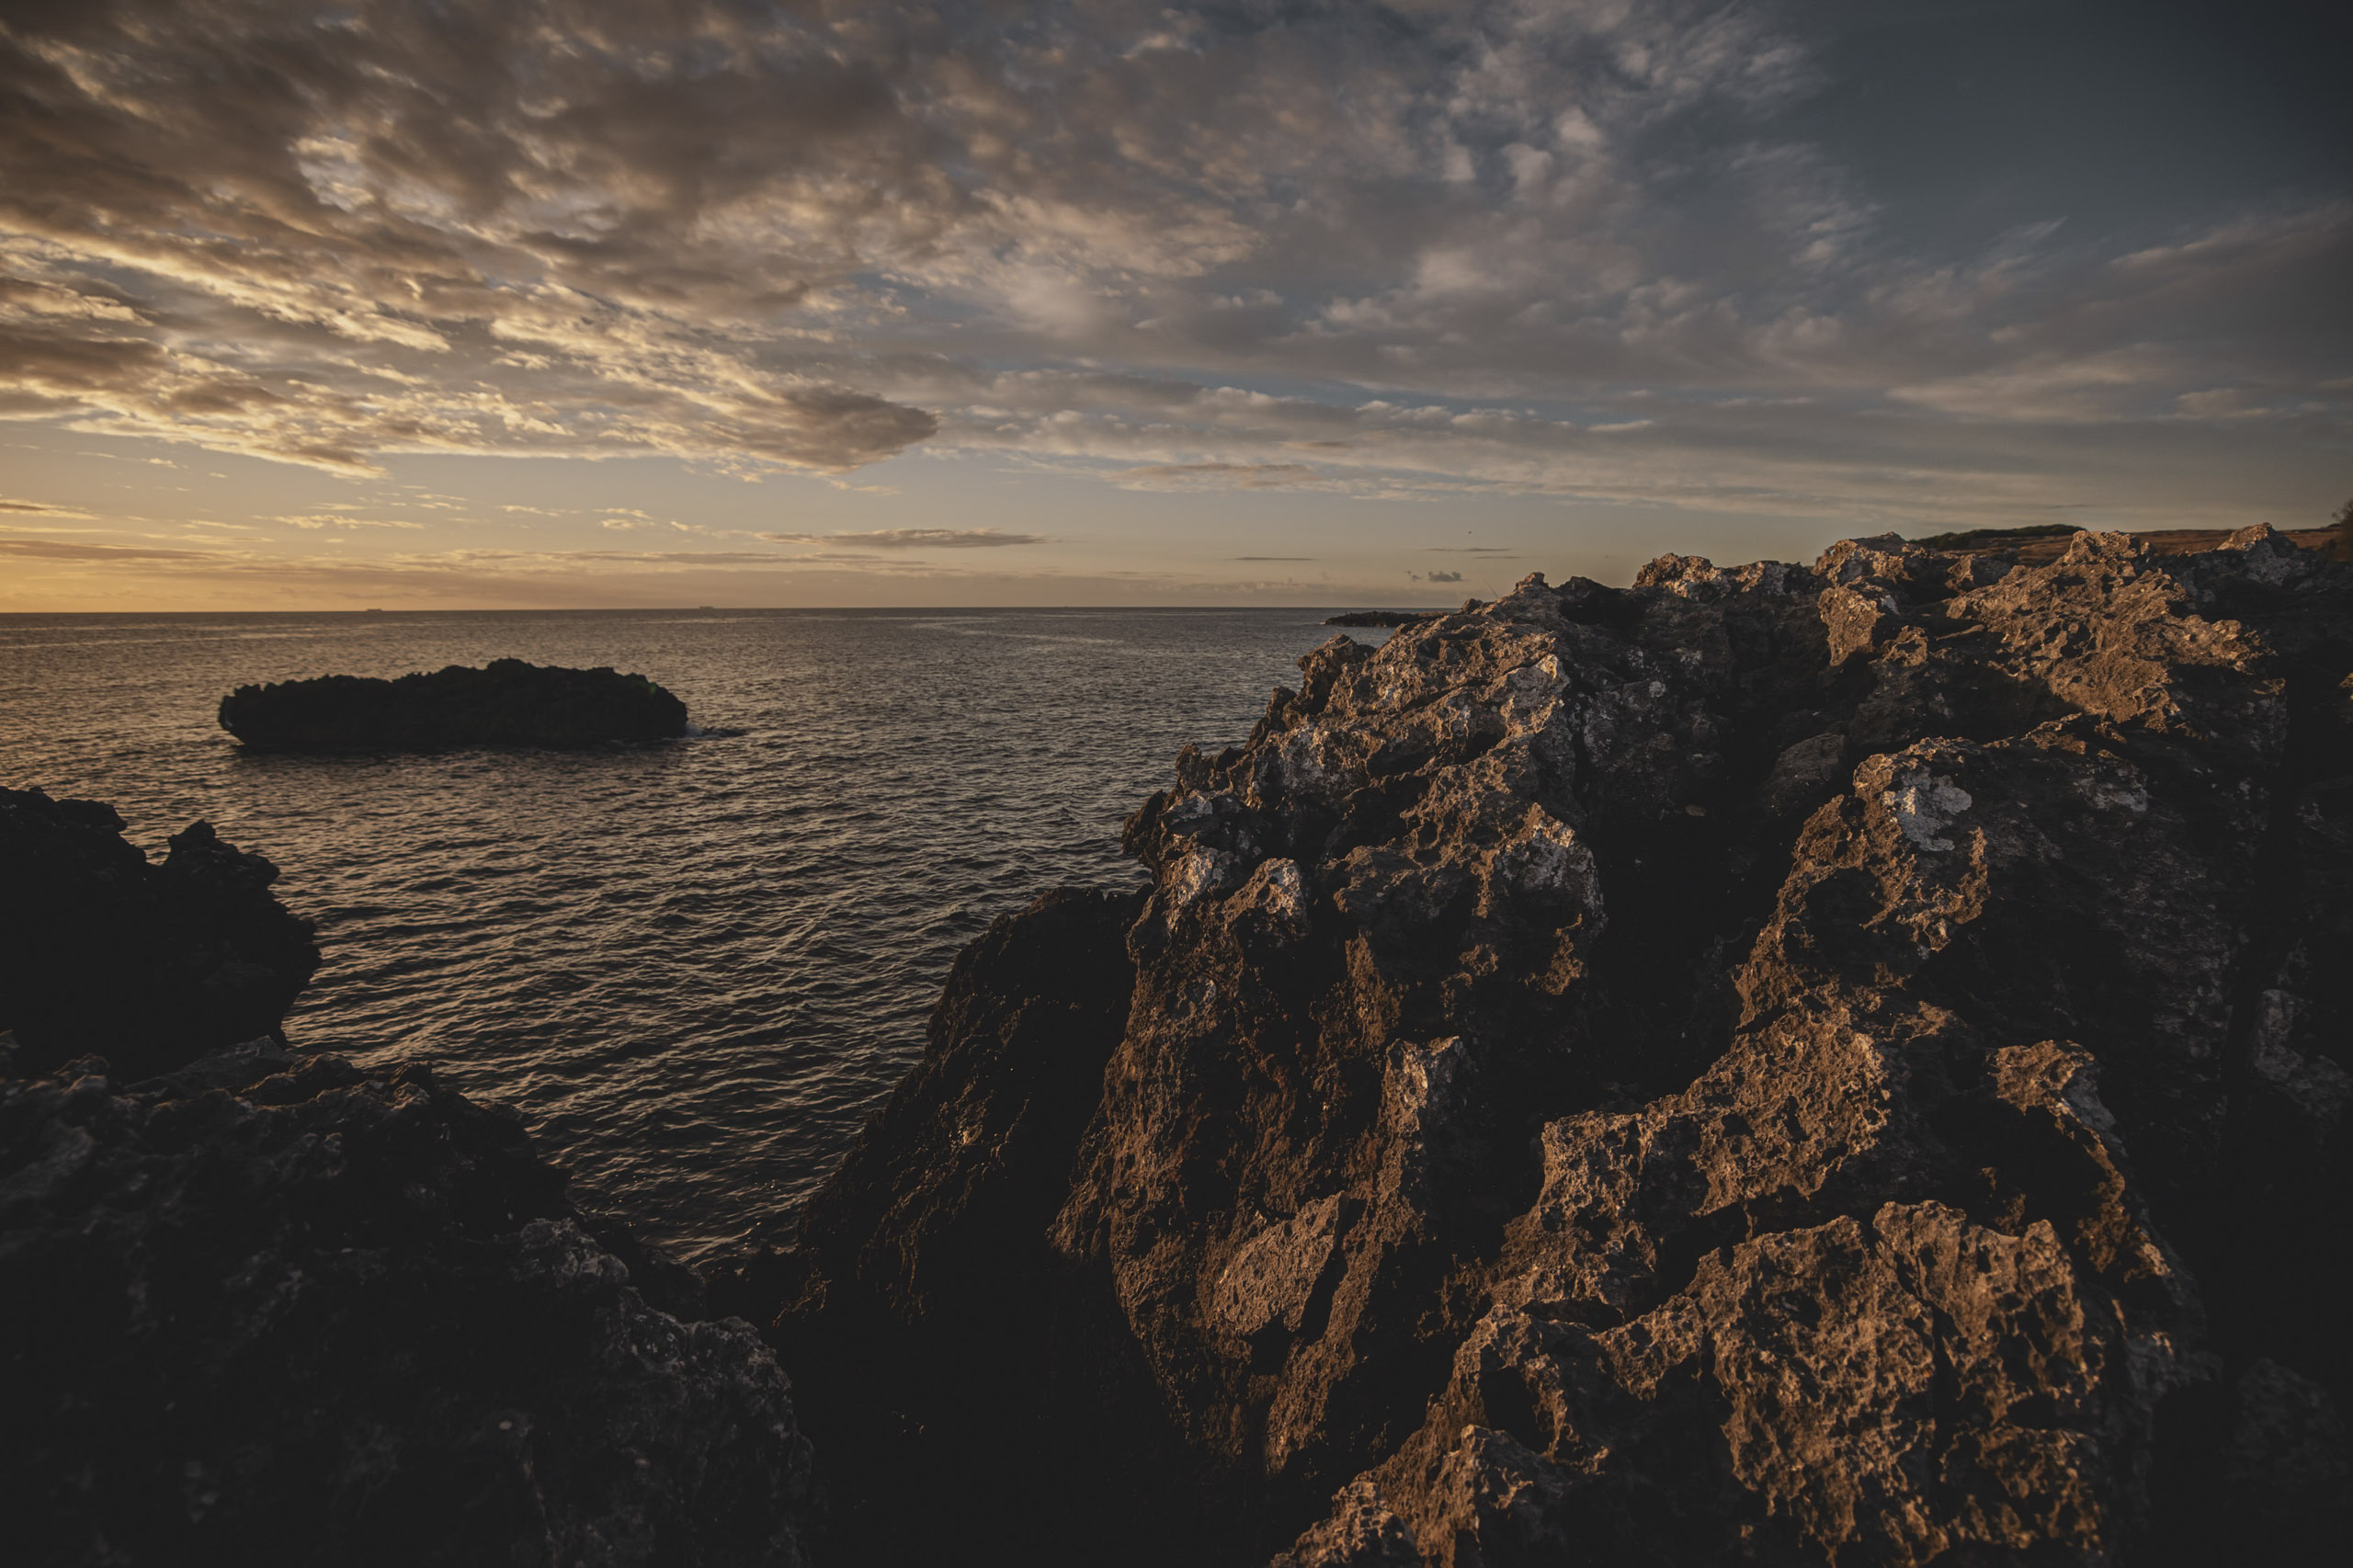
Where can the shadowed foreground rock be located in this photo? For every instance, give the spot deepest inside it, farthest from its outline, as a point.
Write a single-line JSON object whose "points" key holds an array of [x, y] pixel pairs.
{"points": [[1788, 1065], [328, 1318], [149, 965], [508, 703]]}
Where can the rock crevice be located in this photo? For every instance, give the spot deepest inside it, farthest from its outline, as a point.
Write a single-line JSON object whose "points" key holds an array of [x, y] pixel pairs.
{"points": [[1782, 1064]]}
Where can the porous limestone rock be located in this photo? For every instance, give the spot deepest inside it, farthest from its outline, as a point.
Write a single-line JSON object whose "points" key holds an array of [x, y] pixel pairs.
{"points": [[1835, 1064]]}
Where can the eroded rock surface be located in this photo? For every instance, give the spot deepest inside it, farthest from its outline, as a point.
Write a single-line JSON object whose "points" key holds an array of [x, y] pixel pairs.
{"points": [[1787, 1065], [263, 1312], [102, 951]]}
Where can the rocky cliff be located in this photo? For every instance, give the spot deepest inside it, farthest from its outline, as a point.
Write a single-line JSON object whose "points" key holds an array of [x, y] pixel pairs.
{"points": [[1789, 1064], [508, 702], [104, 951]]}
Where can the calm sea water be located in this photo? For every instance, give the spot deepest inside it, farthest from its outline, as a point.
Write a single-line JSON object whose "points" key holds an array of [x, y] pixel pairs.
{"points": [[694, 967]]}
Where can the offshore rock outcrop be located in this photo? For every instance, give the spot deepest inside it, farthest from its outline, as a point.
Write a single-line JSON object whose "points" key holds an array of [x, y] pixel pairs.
{"points": [[102, 951], [509, 702], [1384, 618], [1779, 1064], [267, 1312]]}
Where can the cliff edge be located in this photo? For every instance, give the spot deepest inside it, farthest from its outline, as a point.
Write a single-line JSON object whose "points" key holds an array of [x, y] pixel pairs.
{"points": [[1787, 1065]]}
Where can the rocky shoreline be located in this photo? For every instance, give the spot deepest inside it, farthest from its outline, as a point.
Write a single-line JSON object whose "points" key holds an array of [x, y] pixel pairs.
{"points": [[1776, 1064], [104, 953], [1782, 1065]]}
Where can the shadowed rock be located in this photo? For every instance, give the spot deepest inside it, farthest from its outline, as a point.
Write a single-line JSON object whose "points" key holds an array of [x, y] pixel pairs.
{"points": [[1787, 1065], [261, 1313], [508, 703], [934, 1331], [103, 953]]}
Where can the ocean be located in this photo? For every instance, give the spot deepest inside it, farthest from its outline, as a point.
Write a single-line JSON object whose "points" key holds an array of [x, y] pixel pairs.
{"points": [[694, 967]]}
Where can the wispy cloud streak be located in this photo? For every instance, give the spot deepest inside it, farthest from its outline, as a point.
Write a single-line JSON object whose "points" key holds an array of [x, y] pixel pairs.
{"points": [[1405, 253]]}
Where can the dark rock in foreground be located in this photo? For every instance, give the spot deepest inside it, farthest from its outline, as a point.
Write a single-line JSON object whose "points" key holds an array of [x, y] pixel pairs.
{"points": [[1785, 1065], [102, 951], [508, 703], [262, 1314], [938, 1333]]}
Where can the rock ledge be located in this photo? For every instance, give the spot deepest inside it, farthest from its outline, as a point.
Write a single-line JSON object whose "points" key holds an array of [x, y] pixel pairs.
{"points": [[1789, 1064]]}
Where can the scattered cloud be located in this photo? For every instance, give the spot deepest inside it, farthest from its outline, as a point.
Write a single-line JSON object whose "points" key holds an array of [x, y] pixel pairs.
{"points": [[1440, 577], [41, 509], [1216, 476], [314, 522], [913, 538], [1411, 254], [61, 550]]}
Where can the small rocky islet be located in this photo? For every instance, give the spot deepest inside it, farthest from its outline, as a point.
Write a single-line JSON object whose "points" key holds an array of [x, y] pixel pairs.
{"points": [[508, 702], [1380, 617], [1790, 1064]]}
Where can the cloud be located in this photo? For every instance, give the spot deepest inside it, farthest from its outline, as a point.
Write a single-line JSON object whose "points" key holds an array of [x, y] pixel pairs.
{"points": [[41, 508], [913, 538], [314, 522], [672, 557], [1406, 253], [324, 234], [1441, 576], [1274, 558], [1216, 476], [59, 550]]}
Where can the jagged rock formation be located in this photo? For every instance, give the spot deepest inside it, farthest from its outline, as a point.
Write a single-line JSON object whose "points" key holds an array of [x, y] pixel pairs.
{"points": [[150, 966], [508, 703], [265, 1312], [1779, 1064]]}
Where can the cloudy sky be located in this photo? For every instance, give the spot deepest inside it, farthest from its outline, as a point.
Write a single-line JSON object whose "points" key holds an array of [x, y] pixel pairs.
{"points": [[541, 303]]}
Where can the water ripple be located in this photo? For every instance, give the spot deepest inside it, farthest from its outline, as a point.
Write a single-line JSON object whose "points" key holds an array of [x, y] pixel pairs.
{"points": [[696, 966]]}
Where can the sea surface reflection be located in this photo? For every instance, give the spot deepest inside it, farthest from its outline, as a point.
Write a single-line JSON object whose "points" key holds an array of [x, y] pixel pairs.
{"points": [[694, 967]]}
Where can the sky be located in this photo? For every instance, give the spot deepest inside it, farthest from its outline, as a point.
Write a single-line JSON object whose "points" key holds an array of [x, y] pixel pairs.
{"points": [[546, 303]]}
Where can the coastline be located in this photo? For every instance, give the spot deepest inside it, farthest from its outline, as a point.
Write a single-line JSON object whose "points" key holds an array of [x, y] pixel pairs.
{"points": [[1542, 1028]]}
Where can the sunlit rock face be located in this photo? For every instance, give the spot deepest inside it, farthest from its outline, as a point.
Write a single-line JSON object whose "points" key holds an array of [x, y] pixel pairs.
{"points": [[1784, 1065], [149, 965], [269, 1311], [508, 702]]}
